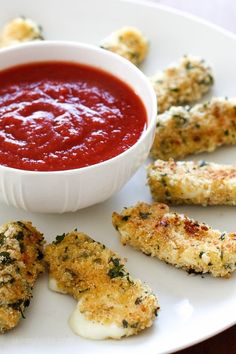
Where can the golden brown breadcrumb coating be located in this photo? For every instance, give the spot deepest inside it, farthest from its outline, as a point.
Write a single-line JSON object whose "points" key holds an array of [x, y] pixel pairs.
{"points": [[176, 239], [21, 261], [97, 277], [19, 30], [189, 182], [182, 131], [129, 43], [182, 83]]}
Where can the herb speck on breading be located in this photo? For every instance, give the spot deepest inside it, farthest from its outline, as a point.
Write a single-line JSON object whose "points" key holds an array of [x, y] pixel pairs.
{"points": [[5, 258], [19, 236], [2, 239], [144, 215], [59, 238], [178, 240], [201, 254], [222, 236], [202, 163], [19, 268], [101, 284], [125, 217], [138, 301], [125, 323], [117, 270], [40, 255]]}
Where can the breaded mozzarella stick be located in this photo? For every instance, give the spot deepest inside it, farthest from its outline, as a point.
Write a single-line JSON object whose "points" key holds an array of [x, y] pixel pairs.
{"points": [[21, 261], [19, 30], [183, 131], [110, 303], [129, 43], [188, 182], [182, 83], [176, 239]]}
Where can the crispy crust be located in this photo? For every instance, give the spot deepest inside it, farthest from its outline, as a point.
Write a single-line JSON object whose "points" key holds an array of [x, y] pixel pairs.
{"points": [[129, 43], [19, 30], [21, 261], [176, 239], [206, 126], [96, 276], [182, 83], [188, 182]]}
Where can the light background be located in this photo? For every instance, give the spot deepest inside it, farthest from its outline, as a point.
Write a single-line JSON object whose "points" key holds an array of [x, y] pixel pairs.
{"points": [[220, 12]]}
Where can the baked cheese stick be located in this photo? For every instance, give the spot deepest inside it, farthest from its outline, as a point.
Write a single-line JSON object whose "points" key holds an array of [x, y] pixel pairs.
{"points": [[188, 182], [176, 239], [129, 43], [19, 30], [110, 303], [182, 131], [21, 261], [182, 83]]}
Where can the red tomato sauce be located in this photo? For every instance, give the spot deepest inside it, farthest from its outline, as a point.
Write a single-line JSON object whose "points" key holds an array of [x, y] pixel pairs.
{"points": [[59, 116]]}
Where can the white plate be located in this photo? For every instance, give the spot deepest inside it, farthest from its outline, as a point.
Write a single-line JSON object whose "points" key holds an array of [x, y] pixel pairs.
{"points": [[192, 308]]}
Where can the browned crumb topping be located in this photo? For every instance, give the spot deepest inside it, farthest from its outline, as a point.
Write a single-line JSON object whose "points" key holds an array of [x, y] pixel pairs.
{"points": [[129, 43], [182, 83], [176, 239], [182, 131], [97, 276], [18, 30], [189, 182], [21, 261]]}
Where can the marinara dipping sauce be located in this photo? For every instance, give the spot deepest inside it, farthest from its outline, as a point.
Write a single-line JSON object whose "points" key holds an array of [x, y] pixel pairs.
{"points": [[60, 115]]}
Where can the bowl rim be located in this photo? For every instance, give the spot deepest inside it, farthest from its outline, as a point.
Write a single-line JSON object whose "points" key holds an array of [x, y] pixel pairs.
{"points": [[114, 56]]}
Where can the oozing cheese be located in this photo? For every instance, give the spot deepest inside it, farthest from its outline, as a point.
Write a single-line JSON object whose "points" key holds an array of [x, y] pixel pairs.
{"points": [[52, 284], [93, 330], [111, 303]]}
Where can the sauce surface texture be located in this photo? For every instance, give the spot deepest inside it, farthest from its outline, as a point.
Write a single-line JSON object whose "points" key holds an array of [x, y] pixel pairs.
{"points": [[59, 116]]}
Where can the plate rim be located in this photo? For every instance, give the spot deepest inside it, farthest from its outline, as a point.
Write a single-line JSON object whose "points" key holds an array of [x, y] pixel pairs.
{"points": [[182, 13]]}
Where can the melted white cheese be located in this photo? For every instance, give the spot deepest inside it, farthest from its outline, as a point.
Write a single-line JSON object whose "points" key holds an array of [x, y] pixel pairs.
{"points": [[93, 330], [232, 183], [191, 188], [205, 258], [52, 284]]}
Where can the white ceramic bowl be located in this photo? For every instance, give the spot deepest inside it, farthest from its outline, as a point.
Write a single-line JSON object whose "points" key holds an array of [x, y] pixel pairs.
{"points": [[63, 191]]}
